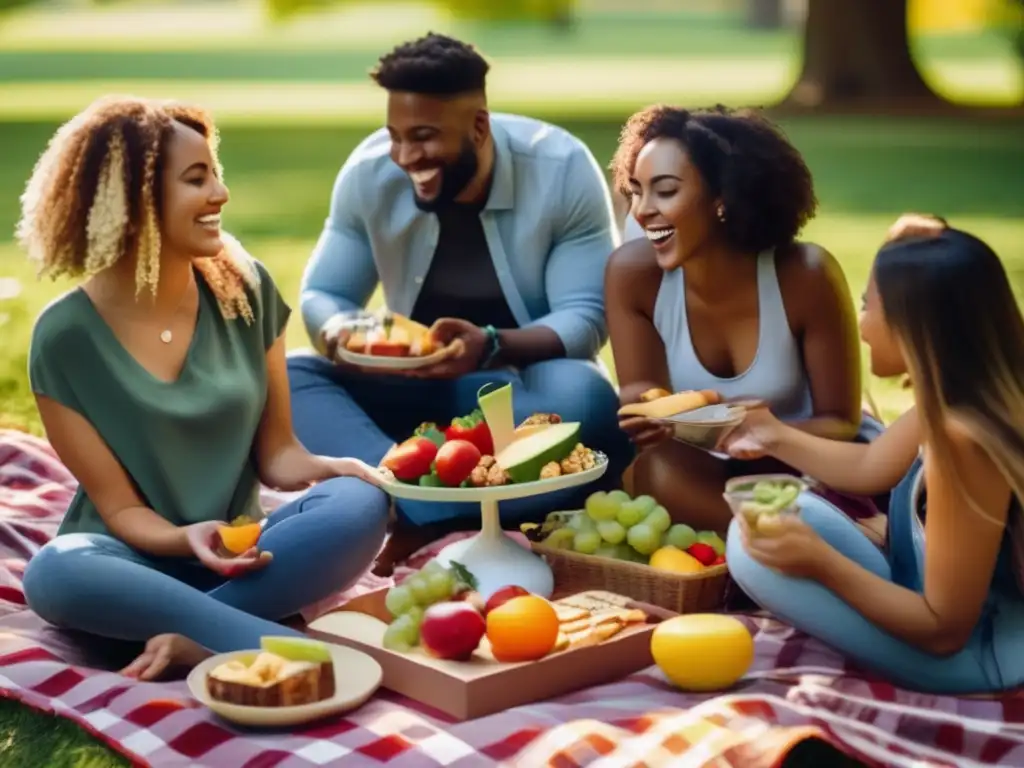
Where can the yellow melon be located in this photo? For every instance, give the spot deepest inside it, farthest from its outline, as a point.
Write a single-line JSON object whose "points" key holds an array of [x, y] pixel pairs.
{"points": [[702, 651]]}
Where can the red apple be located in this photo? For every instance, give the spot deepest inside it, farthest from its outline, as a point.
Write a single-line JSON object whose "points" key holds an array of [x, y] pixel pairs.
{"points": [[502, 596], [452, 630]]}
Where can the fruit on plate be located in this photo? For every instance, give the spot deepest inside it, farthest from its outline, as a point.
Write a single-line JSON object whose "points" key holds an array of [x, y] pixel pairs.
{"points": [[455, 461], [502, 596], [670, 405], [296, 648], [451, 630], [408, 601], [537, 423], [472, 428], [412, 459], [668, 558], [286, 672], [524, 628], [391, 335], [702, 651], [238, 539], [525, 457]]}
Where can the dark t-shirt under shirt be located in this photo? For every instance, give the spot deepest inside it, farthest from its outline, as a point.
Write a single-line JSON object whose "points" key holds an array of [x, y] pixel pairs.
{"points": [[462, 281]]}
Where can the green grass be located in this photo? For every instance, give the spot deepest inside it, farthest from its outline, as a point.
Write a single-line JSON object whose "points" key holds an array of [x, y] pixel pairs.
{"points": [[29, 739], [866, 172]]}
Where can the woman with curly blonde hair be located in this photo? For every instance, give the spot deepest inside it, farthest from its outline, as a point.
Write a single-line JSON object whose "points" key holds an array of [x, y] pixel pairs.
{"points": [[162, 385]]}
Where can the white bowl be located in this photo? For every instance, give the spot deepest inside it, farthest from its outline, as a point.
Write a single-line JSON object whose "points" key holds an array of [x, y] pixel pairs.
{"points": [[705, 427]]}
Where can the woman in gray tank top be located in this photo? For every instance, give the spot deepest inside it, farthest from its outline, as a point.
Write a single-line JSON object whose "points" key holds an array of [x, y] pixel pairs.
{"points": [[719, 295]]}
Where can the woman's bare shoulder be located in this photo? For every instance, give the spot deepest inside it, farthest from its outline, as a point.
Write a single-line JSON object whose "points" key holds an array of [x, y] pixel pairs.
{"points": [[633, 275]]}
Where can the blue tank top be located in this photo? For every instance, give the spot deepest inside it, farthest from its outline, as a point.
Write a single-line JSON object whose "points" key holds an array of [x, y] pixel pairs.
{"points": [[777, 374]]}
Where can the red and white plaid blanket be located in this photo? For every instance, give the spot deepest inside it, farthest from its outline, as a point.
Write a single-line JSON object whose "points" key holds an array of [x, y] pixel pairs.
{"points": [[797, 690]]}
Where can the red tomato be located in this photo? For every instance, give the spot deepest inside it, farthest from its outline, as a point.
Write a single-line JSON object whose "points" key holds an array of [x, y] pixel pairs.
{"points": [[455, 460], [412, 459]]}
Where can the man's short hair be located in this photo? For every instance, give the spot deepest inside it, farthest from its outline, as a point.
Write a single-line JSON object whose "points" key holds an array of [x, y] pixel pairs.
{"points": [[433, 65]]}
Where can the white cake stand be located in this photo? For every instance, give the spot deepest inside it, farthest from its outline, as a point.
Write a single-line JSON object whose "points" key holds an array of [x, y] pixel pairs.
{"points": [[494, 558]]}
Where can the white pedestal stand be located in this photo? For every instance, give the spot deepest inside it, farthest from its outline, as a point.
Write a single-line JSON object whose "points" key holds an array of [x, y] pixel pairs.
{"points": [[494, 558]]}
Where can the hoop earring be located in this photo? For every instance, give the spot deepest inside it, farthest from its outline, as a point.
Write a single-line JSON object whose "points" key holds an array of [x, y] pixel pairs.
{"points": [[721, 213]]}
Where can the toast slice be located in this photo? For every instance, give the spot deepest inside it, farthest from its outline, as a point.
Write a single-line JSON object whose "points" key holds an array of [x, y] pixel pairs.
{"points": [[271, 681]]}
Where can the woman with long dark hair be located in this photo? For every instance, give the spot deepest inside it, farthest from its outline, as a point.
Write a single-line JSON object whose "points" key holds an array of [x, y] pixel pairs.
{"points": [[943, 609]]}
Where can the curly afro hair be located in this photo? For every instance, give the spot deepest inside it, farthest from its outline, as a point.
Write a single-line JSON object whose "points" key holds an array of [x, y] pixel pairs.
{"points": [[94, 198], [744, 159], [433, 65]]}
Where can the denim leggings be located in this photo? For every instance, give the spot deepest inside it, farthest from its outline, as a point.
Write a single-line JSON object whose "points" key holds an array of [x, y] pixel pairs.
{"points": [[322, 542], [991, 660]]}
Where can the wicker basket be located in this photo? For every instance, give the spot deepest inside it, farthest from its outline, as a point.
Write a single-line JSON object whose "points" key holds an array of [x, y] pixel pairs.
{"points": [[678, 592]]}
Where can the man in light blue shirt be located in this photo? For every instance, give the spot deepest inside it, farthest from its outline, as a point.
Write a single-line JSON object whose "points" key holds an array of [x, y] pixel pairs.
{"points": [[495, 230]]}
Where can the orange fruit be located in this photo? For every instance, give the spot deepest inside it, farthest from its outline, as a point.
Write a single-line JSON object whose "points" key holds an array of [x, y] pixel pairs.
{"points": [[524, 628], [239, 538]]}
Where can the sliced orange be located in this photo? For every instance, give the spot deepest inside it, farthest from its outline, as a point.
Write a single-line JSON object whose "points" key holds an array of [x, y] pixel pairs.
{"points": [[239, 538]]}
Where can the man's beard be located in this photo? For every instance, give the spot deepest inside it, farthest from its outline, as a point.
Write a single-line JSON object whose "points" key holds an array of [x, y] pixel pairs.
{"points": [[455, 177]]}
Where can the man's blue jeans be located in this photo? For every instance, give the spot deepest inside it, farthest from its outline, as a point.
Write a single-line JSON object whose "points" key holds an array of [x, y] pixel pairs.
{"points": [[341, 413]]}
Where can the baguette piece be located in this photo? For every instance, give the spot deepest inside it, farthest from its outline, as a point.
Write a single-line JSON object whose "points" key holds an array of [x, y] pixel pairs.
{"points": [[271, 681], [680, 402]]}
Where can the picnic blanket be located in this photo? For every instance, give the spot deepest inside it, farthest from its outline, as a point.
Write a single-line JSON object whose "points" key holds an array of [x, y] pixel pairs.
{"points": [[798, 694]]}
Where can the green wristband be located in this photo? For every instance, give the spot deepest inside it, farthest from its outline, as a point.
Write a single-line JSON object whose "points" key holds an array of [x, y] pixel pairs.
{"points": [[492, 346]]}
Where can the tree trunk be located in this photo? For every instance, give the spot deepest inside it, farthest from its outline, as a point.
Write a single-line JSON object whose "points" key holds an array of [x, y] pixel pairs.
{"points": [[856, 57], [764, 14]]}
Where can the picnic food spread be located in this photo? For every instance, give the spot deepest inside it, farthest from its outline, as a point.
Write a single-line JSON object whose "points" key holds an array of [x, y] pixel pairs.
{"points": [[438, 611], [485, 448], [660, 404], [286, 672], [390, 334], [636, 530]]}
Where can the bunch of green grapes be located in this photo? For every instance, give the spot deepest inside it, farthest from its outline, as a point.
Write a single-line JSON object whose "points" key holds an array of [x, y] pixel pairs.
{"points": [[407, 601]]}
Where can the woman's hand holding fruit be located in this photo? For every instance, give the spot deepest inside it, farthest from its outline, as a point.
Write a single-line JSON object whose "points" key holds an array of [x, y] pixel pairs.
{"points": [[209, 548]]}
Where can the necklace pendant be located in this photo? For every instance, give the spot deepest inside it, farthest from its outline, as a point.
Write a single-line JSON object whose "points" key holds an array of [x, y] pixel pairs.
{"points": [[166, 336]]}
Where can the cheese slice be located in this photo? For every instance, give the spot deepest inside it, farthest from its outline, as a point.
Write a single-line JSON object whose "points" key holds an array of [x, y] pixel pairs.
{"points": [[497, 409]]}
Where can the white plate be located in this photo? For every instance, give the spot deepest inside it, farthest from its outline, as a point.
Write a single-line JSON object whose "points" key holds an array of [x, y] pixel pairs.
{"points": [[498, 492], [705, 427], [384, 362], [356, 678]]}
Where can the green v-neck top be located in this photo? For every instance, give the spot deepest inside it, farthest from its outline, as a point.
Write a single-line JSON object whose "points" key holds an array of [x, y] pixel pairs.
{"points": [[187, 445]]}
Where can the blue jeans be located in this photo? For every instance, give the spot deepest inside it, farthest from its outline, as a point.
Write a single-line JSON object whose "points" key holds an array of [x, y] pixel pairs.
{"points": [[339, 413], [322, 542], [991, 660]]}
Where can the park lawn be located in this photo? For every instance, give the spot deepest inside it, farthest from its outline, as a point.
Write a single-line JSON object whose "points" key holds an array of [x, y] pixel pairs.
{"points": [[866, 172]]}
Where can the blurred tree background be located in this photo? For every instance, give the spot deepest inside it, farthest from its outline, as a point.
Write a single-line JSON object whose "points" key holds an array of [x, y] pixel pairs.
{"points": [[896, 105]]}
